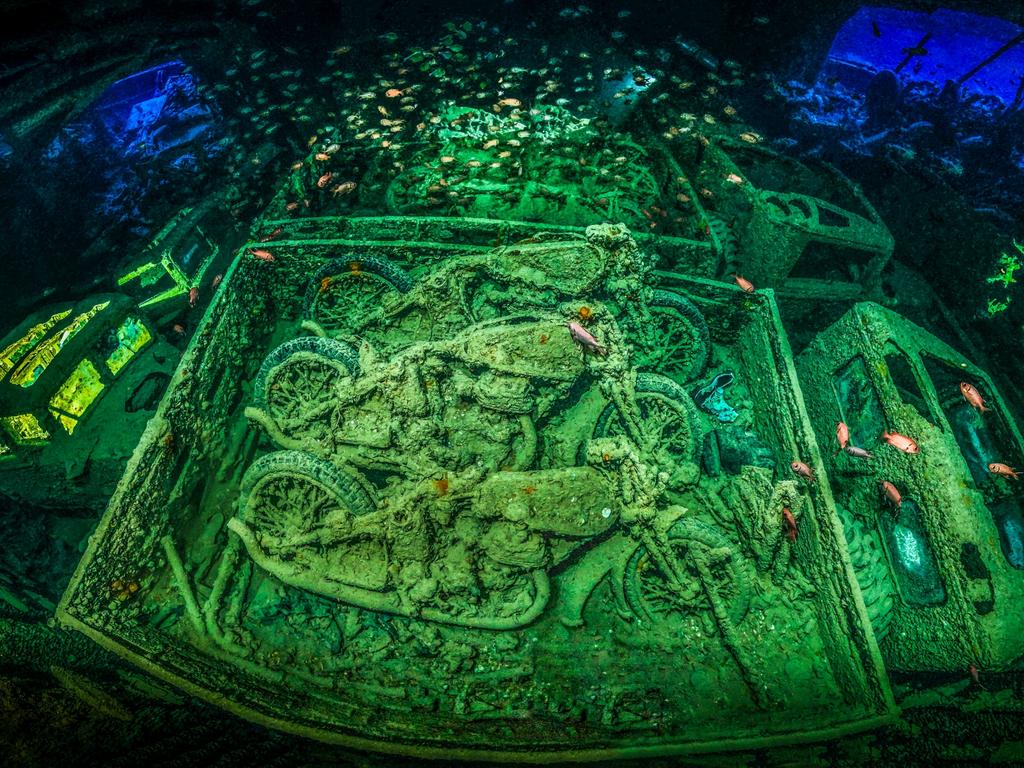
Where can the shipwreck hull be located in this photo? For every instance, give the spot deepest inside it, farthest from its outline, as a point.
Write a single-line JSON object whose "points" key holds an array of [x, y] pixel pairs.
{"points": [[710, 679]]}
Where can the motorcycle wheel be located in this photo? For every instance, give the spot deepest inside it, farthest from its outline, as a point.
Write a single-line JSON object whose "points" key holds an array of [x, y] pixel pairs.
{"points": [[670, 419], [345, 293], [286, 493], [297, 376], [646, 588], [680, 343]]}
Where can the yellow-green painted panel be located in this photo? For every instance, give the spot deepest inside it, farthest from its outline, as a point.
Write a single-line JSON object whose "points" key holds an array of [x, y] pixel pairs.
{"points": [[25, 429], [33, 365], [132, 336], [78, 390]]}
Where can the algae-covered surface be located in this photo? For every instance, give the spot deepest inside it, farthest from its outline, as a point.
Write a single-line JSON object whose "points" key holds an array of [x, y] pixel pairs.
{"points": [[498, 505], [940, 569]]}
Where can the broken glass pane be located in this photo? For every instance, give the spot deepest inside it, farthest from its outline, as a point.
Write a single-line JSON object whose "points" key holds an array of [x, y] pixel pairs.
{"points": [[858, 401], [905, 381], [910, 552]]}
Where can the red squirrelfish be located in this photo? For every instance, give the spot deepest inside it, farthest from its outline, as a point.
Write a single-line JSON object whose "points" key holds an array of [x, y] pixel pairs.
{"points": [[973, 396], [900, 442], [892, 494], [842, 435], [193, 296], [1003, 470], [802, 469], [972, 670], [790, 523], [743, 283], [261, 254]]}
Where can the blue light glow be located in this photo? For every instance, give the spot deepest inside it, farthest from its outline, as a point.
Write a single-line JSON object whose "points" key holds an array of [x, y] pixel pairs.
{"points": [[934, 47]]}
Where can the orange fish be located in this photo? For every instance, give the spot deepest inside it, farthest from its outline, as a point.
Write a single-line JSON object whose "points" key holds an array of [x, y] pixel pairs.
{"points": [[393, 93], [344, 188], [892, 494], [193, 295], [1003, 470], [900, 442], [803, 470], [973, 396], [787, 516], [324, 180], [272, 235], [842, 435], [325, 284], [972, 670], [743, 283], [261, 254]]}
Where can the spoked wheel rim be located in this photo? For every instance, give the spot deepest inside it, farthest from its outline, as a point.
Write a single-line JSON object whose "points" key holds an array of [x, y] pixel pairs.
{"points": [[290, 492], [679, 343], [347, 292], [348, 300], [299, 378], [650, 594], [669, 420]]}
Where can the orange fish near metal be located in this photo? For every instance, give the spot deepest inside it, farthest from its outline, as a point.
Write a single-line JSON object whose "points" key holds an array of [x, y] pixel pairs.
{"points": [[842, 435], [261, 254], [900, 442], [892, 494], [324, 180], [803, 470], [787, 516], [1003, 470], [193, 295], [743, 283], [972, 670], [973, 396]]}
